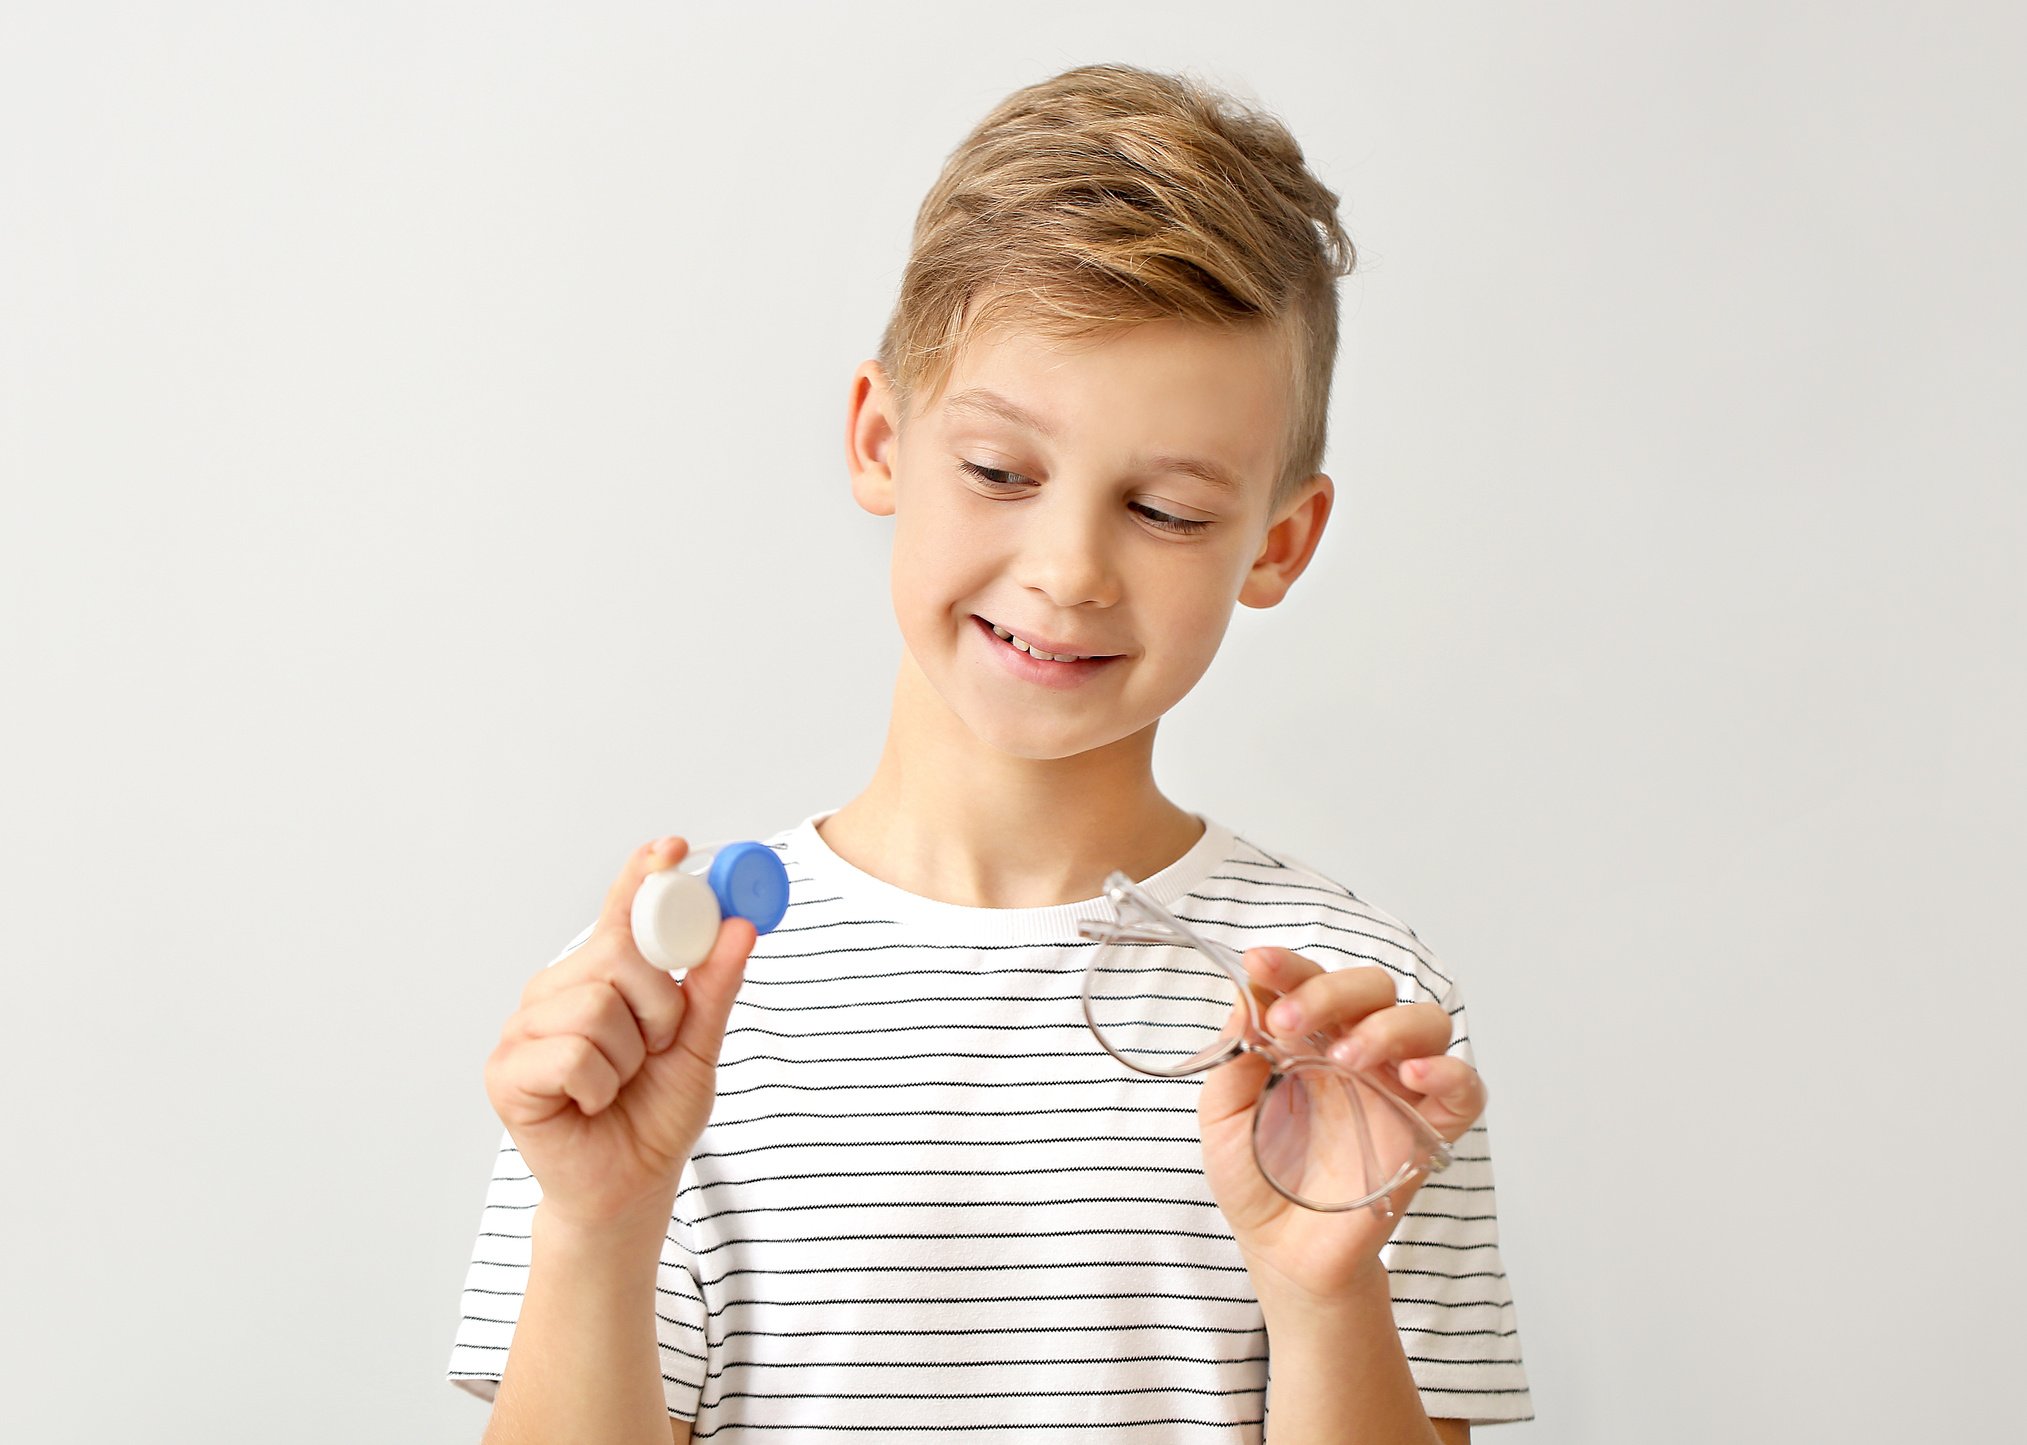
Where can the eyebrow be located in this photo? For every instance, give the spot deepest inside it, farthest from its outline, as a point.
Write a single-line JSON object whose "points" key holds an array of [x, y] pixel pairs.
{"points": [[991, 403]]}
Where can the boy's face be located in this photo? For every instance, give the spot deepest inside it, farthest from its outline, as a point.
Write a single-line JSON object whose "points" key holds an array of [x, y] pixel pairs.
{"points": [[1074, 528]]}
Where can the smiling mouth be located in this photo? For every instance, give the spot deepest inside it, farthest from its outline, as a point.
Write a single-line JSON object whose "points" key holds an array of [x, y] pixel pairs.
{"points": [[1020, 644]]}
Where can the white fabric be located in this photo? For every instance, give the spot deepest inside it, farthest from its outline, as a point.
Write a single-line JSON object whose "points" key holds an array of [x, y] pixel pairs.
{"points": [[927, 1200]]}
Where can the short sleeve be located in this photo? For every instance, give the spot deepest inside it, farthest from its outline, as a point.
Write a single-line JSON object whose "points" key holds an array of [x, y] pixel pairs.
{"points": [[497, 1279], [1452, 1302]]}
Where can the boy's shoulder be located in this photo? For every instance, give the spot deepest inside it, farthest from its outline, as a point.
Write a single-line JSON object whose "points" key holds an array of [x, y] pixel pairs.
{"points": [[1268, 895]]}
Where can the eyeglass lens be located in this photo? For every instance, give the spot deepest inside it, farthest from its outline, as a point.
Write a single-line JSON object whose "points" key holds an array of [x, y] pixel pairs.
{"points": [[1162, 1008], [1321, 1136]]}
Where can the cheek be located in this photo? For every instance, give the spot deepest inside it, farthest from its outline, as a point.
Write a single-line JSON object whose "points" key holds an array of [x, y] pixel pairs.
{"points": [[1193, 630], [933, 566], [1191, 602], [949, 532]]}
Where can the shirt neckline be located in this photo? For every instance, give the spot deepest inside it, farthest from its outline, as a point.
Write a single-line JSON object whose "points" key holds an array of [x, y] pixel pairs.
{"points": [[1053, 922]]}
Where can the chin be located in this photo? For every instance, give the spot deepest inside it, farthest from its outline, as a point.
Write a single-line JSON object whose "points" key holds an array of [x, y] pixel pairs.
{"points": [[1041, 739], [1033, 743]]}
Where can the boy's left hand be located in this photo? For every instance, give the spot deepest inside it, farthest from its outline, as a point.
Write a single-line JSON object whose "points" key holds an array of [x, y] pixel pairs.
{"points": [[1310, 1257]]}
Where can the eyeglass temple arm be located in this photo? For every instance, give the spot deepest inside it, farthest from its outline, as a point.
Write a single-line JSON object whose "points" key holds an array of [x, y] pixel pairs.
{"points": [[1107, 932]]}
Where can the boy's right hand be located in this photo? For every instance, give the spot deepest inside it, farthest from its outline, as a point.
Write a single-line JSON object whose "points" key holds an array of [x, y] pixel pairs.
{"points": [[606, 1074]]}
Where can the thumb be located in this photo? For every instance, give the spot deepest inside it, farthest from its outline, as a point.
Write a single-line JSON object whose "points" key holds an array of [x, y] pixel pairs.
{"points": [[710, 987], [1231, 1088], [1234, 1086]]}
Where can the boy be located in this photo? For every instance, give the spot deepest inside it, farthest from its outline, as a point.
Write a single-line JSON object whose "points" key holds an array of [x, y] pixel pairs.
{"points": [[870, 1176]]}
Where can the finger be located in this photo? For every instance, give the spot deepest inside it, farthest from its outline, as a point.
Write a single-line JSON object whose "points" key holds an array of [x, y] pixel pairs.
{"points": [[1387, 1036], [1234, 1088], [1279, 969], [593, 1010], [652, 994], [1231, 1088], [655, 997], [617, 914], [1453, 1093], [1331, 1002], [711, 987], [610, 957], [1272, 972], [532, 1080], [610, 952]]}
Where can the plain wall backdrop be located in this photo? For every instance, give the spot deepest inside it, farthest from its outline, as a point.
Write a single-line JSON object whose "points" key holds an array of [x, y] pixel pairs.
{"points": [[421, 429]]}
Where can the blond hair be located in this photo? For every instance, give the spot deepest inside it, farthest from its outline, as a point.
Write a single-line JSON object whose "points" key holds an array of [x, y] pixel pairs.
{"points": [[1110, 195]]}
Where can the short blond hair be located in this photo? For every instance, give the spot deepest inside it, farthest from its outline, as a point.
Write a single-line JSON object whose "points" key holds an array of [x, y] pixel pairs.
{"points": [[1110, 195]]}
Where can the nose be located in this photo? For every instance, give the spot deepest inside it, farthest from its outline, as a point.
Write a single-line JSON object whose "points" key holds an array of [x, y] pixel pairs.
{"points": [[1066, 555]]}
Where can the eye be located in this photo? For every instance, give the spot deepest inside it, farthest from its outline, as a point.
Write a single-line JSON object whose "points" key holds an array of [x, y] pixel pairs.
{"points": [[1168, 523], [1013, 482], [1008, 481]]}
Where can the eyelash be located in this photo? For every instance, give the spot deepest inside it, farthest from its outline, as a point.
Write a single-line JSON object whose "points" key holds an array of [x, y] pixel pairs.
{"points": [[995, 478]]}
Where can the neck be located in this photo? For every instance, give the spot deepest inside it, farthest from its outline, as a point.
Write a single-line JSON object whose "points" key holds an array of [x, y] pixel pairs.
{"points": [[949, 818]]}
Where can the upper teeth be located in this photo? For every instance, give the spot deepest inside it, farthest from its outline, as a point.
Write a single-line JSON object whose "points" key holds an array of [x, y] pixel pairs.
{"points": [[1031, 651]]}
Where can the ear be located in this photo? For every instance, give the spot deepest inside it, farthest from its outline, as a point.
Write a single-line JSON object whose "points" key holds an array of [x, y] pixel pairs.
{"points": [[872, 436], [1290, 543]]}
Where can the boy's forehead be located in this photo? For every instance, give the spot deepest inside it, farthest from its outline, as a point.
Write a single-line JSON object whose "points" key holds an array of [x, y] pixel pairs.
{"points": [[1190, 390]]}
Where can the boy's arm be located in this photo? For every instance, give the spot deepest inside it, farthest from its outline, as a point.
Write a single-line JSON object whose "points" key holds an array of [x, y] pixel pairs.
{"points": [[605, 1077], [1341, 1374], [585, 1364]]}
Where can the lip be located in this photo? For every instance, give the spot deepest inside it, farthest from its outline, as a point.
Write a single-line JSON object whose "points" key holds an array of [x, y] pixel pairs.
{"points": [[1045, 644], [1039, 670]]}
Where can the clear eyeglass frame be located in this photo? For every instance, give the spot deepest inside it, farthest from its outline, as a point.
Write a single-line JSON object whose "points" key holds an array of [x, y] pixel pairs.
{"points": [[1384, 1153]]}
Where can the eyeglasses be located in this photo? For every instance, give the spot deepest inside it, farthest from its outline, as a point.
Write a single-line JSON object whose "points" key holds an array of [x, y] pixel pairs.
{"points": [[1166, 1001]]}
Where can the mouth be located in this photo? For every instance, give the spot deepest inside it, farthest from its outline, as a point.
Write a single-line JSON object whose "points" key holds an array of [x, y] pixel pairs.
{"points": [[1060, 656]]}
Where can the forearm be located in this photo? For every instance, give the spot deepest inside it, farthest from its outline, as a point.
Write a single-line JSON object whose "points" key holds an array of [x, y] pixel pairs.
{"points": [[1338, 1372], [585, 1364]]}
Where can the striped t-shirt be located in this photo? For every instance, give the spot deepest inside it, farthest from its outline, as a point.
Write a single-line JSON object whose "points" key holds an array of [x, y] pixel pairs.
{"points": [[929, 1204]]}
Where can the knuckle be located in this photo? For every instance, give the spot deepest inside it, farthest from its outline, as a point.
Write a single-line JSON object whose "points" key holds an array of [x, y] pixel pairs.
{"points": [[617, 951], [1373, 979], [1296, 965], [655, 985], [578, 1052], [613, 1009], [556, 977], [600, 953], [588, 1005]]}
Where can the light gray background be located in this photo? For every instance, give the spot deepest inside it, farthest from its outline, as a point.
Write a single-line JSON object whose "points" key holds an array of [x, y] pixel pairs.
{"points": [[393, 398]]}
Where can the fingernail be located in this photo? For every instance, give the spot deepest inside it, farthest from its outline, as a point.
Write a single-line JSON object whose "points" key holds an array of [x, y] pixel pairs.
{"points": [[1285, 1017], [1418, 1069], [1348, 1052]]}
